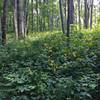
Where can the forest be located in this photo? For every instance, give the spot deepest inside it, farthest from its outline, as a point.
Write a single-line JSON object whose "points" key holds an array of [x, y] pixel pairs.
{"points": [[49, 49]]}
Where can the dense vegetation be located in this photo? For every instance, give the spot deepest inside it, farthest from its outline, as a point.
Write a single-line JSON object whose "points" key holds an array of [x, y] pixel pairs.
{"points": [[42, 67], [49, 49]]}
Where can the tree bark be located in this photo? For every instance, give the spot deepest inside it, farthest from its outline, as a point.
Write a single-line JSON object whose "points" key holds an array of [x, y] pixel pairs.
{"points": [[71, 11], [15, 18], [20, 18], [68, 19], [91, 15], [4, 21], [79, 13], [70, 16], [32, 15], [86, 12], [37, 15], [61, 14], [26, 16]]}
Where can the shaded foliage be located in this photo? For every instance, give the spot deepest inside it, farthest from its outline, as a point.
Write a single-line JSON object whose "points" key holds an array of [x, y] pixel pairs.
{"points": [[44, 68]]}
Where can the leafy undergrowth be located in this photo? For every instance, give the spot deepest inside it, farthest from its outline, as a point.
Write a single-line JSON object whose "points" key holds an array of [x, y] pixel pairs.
{"points": [[46, 67]]}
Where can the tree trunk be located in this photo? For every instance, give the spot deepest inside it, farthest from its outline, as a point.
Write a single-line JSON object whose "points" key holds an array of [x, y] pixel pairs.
{"points": [[61, 14], [20, 18], [0, 30], [71, 11], [4, 21], [91, 16], [86, 11], [68, 19], [26, 16], [32, 15], [79, 13], [37, 15], [15, 19]]}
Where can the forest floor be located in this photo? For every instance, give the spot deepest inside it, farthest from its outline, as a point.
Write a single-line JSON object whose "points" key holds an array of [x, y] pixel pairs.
{"points": [[45, 67]]}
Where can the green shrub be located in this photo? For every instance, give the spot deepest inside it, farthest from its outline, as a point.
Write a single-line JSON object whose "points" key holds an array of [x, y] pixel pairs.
{"points": [[44, 68]]}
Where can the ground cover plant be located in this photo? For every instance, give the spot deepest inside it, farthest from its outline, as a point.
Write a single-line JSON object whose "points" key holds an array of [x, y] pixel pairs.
{"points": [[45, 68]]}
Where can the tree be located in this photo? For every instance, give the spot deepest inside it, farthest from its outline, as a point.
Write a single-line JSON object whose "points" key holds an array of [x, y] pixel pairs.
{"points": [[86, 14], [4, 21], [61, 14], [20, 18], [26, 16], [79, 13], [15, 18], [32, 14], [91, 14], [70, 18], [37, 13], [71, 11]]}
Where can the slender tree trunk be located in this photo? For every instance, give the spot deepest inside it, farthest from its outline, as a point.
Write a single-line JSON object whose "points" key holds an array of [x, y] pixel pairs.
{"points": [[20, 18], [0, 30], [79, 13], [86, 11], [95, 15], [15, 19], [48, 15], [52, 16], [88, 15], [37, 15], [44, 18], [32, 16], [99, 12], [65, 9], [71, 11], [4, 21], [26, 16], [61, 14], [68, 19], [91, 16]]}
